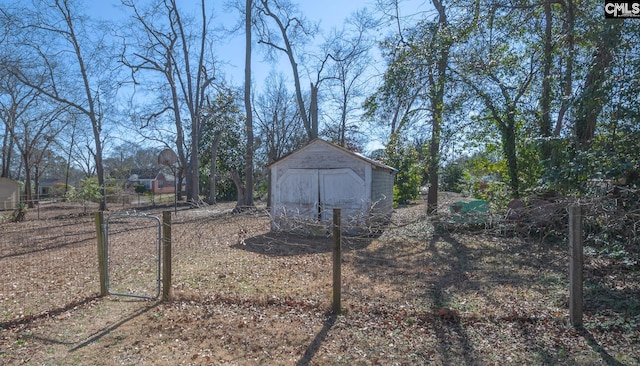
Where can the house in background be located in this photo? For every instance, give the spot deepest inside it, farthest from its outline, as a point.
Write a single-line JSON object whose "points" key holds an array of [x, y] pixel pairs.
{"points": [[154, 181], [308, 183], [9, 194], [46, 186]]}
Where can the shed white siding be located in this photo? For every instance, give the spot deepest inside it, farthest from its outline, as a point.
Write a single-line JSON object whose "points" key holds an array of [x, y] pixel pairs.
{"points": [[307, 184], [382, 193], [342, 188], [297, 193], [9, 194]]}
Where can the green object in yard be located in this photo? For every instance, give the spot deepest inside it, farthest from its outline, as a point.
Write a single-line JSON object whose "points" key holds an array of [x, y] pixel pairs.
{"points": [[470, 212]]}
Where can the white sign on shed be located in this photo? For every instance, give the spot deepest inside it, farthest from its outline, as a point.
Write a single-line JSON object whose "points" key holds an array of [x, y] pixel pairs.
{"points": [[308, 183]]}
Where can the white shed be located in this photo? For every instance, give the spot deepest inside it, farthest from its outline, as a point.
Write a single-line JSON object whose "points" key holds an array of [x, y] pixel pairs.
{"points": [[9, 194], [308, 183]]}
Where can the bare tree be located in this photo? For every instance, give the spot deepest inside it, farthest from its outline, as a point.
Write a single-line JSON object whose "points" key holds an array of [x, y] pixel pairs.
{"points": [[62, 61], [291, 30], [278, 118], [349, 53], [7, 151], [32, 124], [6, 20], [245, 193], [166, 44], [80, 153], [278, 121], [7, 116]]}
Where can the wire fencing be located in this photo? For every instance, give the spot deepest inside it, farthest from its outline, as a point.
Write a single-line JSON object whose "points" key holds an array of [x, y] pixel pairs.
{"points": [[50, 264], [49, 261], [46, 265]]}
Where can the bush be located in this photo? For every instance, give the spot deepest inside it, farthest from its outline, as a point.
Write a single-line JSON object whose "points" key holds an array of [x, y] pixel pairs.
{"points": [[485, 188], [19, 214], [88, 190], [452, 175], [405, 159], [140, 189], [59, 189], [611, 158]]}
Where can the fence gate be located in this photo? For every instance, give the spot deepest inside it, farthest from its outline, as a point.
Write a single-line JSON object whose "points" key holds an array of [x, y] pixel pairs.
{"points": [[133, 244]]}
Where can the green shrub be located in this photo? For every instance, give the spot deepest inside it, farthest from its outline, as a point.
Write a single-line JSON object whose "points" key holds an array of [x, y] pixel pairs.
{"points": [[452, 176], [404, 157], [87, 191]]}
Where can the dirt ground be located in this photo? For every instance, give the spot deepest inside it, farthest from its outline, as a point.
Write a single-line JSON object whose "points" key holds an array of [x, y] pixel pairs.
{"points": [[243, 295]]}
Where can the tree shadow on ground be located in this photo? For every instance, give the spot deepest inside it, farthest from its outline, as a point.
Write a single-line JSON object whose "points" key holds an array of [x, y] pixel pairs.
{"points": [[606, 298], [284, 244], [109, 329], [51, 313], [58, 338], [591, 341], [442, 270], [315, 344], [438, 293]]}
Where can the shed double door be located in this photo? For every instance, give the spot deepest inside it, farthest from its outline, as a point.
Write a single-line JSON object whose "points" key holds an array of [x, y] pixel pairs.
{"points": [[313, 193]]}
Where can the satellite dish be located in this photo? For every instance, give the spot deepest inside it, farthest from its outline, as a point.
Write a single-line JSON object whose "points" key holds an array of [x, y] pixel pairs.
{"points": [[167, 157]]}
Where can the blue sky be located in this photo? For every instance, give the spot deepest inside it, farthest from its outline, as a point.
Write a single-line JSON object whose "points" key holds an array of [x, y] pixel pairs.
{"points": [[329, 13]]}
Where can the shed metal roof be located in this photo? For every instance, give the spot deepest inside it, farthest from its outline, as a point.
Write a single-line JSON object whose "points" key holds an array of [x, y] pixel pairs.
{"points": [[374, 163]]}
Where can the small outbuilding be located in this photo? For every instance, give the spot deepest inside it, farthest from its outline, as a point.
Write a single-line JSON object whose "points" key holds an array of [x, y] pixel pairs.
{"points": [[9, 194], [308, 183]]}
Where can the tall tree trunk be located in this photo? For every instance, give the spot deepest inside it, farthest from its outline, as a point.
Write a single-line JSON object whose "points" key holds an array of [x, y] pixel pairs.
{"points": [[183, 172], [27, 183], [437, 105], [343, 127], [180, 178], [213, 169], [508, 132], [568, 79], [434, 164], [195, 95], [7, 150], [68, 162], [100, 168], [595, 94], [312, 131], [194, 163], [36, 184], [248, 195], [313, 112], [545, 98], [241, 189]]}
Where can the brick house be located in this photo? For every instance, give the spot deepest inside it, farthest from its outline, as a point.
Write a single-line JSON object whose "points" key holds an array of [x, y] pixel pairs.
{"points": [[157, 182]]}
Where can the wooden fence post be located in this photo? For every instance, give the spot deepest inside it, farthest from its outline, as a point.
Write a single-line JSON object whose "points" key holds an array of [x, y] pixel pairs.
{"points": [[576, 263], [102, 263], [166, 255], [337, 262]]}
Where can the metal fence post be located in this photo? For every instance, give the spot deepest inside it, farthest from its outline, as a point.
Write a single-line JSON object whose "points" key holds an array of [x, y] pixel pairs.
{"points": [[102, 263], [166, 255], [337, 256], [576, 263]]}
